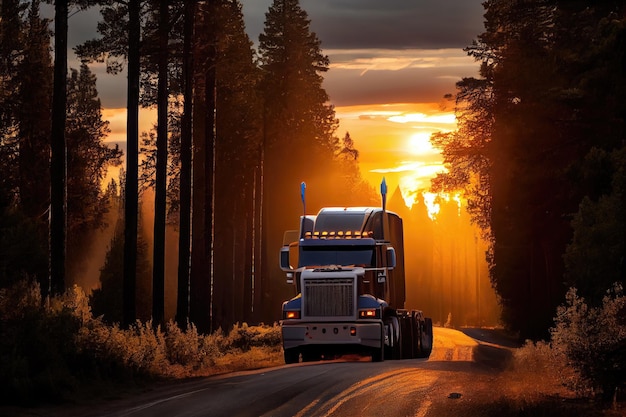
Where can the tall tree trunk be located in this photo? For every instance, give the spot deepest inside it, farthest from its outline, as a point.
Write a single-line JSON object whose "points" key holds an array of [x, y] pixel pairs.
{"points": [[132, 157], [200, 300], [58, 187], [209, 156], [258, 235], [184, 237], [248, 247], [160, 198]]}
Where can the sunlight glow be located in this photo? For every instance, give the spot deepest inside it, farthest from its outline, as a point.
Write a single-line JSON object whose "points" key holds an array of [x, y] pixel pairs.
{"points": [[394, 140], [444, 118], [432, 205], [433, 202], [419, 144]]}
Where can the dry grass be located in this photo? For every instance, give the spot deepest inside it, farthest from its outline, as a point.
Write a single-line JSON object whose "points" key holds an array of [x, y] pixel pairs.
{"points": [[535, 384], [57, 350]]}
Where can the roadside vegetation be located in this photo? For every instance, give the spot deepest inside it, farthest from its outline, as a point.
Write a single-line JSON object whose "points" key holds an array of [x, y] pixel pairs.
{"points": [[54, 350], [579, 371]]}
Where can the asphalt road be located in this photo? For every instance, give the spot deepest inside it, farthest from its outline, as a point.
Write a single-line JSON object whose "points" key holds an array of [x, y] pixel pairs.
{"points": [[460, 371]]}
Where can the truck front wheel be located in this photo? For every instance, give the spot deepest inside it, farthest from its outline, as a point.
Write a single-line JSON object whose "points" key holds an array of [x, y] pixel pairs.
{"points": [[292, 356]]}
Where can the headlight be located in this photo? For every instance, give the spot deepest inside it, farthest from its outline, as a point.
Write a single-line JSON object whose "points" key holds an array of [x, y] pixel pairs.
{"points": [[291, 314], [369, 313]]}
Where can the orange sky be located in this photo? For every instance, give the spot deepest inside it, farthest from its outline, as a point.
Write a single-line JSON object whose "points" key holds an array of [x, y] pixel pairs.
{"points": [[392, 136], [391, 101], [393, 142]]}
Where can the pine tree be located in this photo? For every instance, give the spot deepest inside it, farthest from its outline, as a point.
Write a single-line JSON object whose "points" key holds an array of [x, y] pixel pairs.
{"points": [[25, 92], [32, 113], [184, 240], [548, 93], [237, 127], [12, 34], [299, 127], [160, 200], [88, 159]]}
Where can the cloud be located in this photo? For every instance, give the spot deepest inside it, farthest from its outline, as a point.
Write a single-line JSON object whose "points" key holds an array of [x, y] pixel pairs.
{"points": [[377, 76], [396, 60], [389, 24]]}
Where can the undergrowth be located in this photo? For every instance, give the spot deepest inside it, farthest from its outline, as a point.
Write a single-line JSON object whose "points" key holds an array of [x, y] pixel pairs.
{"points": [[585, 359], [50, 348]]}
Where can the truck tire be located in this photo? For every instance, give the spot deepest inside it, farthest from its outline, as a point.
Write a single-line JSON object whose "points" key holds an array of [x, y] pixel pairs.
{"points": [[406, 336], [312, 355], [395, 339], [378, 354], [292, 356], [426, 341], [389, 338]]}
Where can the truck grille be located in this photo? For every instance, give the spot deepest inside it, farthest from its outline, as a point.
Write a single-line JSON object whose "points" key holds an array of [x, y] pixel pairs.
{"points": [[328, 297]]}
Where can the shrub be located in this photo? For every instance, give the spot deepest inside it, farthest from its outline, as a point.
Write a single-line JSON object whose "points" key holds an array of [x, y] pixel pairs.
{"points": [[244, 337], [49, 348], [183, 347], [36, 343], [536, 365], [594, 341]]}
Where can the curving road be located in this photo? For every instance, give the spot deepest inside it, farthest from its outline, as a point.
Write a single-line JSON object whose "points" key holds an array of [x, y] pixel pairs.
{"points": [[459, 369]]}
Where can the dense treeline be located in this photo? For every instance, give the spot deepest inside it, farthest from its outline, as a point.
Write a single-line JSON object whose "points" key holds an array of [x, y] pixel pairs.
{"points": [[244, 127], [540, 151]]}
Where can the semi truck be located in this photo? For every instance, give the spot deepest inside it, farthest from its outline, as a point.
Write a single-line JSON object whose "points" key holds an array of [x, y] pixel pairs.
{"points": [[347, 267]]}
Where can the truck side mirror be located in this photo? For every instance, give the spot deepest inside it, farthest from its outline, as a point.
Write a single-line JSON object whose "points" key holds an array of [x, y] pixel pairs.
{"points": [[284, 259], [391, 258]]}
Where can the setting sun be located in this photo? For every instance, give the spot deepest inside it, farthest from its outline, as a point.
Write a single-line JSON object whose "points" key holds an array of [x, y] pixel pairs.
{"points": [[419, 144], [394, 141]]}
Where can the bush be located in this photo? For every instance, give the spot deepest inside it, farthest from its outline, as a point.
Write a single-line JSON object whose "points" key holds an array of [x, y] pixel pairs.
{"points": [[594, 341], [49, 348], [536, 366], [36, 343], [243, 337]]}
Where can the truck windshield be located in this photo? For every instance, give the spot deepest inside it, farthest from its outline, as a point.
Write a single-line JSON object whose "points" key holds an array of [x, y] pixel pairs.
{"points": [[336, 255]]}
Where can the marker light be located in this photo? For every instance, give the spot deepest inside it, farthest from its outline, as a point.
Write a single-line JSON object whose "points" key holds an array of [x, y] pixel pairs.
{"points": [[291, 314], [340, 234]]}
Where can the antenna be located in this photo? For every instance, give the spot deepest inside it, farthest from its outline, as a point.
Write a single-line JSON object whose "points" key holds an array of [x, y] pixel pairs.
{"points": [[383, 193], [302, 197]]}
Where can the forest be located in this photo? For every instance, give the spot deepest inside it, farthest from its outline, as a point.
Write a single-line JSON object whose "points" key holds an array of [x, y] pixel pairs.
{"points": [[539, 158], [233, 122], [541, 153]]}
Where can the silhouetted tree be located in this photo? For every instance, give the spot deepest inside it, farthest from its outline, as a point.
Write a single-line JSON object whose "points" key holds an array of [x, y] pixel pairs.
{"points": [[299, 127], [160, 200], [33, 79], [237, 130], [184, 230], [595, 258], [522, 137], [58, 158], [108, 299], [88, 159]]}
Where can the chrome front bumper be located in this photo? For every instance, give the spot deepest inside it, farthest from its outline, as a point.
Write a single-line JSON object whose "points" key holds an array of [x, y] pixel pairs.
{"points": [[295, 334]]}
